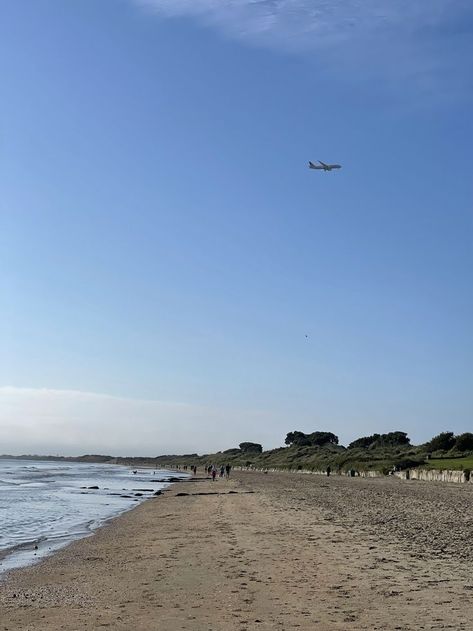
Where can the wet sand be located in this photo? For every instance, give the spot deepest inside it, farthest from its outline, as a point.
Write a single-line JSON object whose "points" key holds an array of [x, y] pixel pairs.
{"points": [[281, 551]]}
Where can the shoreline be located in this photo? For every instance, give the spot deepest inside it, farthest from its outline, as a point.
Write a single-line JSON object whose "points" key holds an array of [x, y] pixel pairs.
{"points": [[262, 551], [31, 552], [8, 556]]}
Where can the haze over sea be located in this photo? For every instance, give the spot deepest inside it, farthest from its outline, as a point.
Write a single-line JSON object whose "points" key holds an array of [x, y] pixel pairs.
{"points": [[45, 504]]}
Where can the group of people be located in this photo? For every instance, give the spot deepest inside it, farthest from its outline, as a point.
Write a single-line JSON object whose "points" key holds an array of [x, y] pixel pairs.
{"points": [[222, 471], [212, 471]]}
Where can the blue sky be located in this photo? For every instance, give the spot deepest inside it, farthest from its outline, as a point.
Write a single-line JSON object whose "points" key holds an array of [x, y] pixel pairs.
{"points": [[165, 250]]}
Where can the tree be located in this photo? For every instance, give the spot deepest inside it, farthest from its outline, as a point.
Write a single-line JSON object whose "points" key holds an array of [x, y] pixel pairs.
{"points": [[391, 439], [464, 442], [251, 448], [323, 438], [394, 439], [316, 439], [297, 438], [442, 442], [363, 442]]}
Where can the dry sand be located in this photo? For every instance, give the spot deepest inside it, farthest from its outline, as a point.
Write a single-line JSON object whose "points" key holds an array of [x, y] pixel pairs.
{"points": [[283, 551]]}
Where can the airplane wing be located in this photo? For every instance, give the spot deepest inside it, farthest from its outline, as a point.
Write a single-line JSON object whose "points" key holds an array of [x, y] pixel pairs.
{"points": [[323, 164]]}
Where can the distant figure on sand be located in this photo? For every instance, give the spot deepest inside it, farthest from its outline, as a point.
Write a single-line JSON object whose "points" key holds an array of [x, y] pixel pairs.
{"points": [[222, 471], [328, 470], [214, 473], [227, 470]]}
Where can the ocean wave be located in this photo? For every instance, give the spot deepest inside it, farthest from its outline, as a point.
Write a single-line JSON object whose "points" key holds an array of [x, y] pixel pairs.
{"points": [[55, 504]]}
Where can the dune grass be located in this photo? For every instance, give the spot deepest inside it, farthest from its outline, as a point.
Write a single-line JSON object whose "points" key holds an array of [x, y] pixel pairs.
{"points": [[451, 464]]}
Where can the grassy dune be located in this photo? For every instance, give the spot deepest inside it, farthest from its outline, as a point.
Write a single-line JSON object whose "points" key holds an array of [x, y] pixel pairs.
{"points": [[307, 458], [451, 464]]}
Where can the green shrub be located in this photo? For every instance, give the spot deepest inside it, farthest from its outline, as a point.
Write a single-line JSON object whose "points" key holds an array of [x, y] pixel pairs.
{"points": [[442, 442], [464, 442]]}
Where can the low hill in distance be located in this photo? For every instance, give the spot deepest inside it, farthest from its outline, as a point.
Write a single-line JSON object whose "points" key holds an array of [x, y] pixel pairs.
{"points": [[316, 452], [319, 450]]}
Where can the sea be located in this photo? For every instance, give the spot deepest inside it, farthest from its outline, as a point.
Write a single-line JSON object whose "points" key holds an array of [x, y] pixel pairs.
{"points": [[44, 505]]}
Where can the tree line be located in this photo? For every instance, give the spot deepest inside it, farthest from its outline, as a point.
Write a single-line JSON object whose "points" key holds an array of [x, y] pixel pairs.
{"points": [[445, 441], [321, 439]]}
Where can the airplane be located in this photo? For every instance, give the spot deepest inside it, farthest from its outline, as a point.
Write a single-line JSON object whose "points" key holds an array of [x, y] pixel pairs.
{"points": [[324, 167]]}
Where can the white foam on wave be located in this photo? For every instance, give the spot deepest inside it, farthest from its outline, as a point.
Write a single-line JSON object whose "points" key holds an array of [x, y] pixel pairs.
{"points": [[48, 505]]}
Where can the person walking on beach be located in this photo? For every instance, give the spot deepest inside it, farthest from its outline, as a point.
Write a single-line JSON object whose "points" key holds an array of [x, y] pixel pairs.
{"points": [[227, 471], [214, 473], [222, 471]]}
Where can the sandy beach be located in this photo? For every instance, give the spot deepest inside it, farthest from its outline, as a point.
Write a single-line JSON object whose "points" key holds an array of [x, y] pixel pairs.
{"points": [[276, 551]]}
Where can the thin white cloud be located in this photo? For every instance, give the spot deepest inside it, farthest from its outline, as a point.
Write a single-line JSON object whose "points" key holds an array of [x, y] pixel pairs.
{"points": [[73, 422], [407, 39], [315, 23]]}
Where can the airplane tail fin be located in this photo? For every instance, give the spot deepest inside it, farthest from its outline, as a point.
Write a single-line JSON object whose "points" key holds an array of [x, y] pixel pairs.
{"points": [[311, 165]]}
